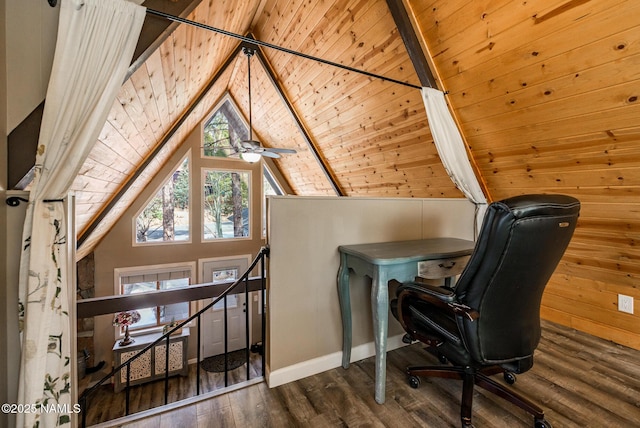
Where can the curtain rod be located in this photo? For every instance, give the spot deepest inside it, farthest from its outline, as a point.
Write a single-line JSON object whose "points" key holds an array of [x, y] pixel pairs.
{"points": [[276, 47], [14, 201]]}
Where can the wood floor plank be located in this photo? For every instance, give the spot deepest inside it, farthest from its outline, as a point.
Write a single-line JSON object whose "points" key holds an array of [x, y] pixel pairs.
{"points": [[579, 380], [290, 399], [248, 407]]}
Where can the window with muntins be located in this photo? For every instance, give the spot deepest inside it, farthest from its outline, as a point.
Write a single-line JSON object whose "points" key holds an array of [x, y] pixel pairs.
{"points": [[139, 281]]}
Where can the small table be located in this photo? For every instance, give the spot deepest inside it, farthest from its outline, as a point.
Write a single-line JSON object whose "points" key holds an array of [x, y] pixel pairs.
{"points": [[383, 262], [152, 364]]}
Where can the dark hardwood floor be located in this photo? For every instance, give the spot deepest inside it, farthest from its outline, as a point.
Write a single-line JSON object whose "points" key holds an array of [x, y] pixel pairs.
{"points": [[106, 405], [579, 380]]}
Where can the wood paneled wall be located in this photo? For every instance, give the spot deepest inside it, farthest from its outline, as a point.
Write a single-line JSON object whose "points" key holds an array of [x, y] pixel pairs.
{"points": [[547, 94]]}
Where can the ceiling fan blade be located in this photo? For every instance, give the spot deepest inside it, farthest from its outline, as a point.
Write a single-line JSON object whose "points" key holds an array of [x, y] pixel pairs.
{"points": [[279, 150], [268, 154], [250, 144]]}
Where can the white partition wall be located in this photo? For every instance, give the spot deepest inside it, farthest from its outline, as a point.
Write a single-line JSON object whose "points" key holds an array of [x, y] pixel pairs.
{"points": [[304, 327]]}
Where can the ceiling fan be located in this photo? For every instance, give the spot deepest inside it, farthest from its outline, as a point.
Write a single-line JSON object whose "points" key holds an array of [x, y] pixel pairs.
{"points": [[251, 150]]}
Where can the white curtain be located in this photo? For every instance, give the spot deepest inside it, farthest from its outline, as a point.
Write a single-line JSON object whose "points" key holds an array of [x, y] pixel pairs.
{"points": [[95, 44], [452, 150]]}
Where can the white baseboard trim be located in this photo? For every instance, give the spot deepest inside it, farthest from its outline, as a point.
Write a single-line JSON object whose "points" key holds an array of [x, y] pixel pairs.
{"points": [[326, 362]]}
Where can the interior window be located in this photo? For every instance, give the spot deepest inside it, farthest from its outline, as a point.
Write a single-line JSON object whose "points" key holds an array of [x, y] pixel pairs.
{"points": [[226, 204], [221, 275], [165, 218], [144, 281]]}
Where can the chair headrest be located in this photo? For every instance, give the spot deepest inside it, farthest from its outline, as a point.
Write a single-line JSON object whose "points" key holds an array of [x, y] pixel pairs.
{"points": [[535, 205]]}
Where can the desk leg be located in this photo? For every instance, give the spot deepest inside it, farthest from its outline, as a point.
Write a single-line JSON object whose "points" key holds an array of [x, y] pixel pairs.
{"points": [[345, 310], [380, 311]]}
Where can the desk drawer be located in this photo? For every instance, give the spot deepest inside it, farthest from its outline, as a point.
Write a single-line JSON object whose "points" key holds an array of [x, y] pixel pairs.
{"points": [[443, 268]]}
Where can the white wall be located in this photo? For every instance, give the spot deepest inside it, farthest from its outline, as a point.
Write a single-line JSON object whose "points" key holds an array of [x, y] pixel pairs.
{"points": [[304, 322]]}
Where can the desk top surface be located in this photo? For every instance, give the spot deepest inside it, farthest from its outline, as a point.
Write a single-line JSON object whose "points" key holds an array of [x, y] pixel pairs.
{"points": [[385, 253]]}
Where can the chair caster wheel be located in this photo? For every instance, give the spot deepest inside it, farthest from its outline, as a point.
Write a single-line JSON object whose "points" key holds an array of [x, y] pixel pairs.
{"points": [[541, 423], [414, 382], [407, 339], [510, 378], [442, 359]]}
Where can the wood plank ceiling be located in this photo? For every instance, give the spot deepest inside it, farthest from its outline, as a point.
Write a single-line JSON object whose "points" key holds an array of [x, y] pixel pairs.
{"points": [[546, 95], [371, 133]]}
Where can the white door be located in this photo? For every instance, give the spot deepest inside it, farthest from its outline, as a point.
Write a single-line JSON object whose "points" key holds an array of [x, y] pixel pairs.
{"points": [[213, 326]]}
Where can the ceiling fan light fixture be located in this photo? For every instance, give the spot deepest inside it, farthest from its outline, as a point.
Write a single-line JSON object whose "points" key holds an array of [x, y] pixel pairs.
{"points": [[250, 157]]}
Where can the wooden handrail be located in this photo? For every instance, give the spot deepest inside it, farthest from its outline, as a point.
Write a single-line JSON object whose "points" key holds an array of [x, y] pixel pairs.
{"points": [[92, 307]]}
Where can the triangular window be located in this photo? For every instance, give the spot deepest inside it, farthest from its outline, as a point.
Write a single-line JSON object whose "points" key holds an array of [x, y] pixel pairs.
{"points": [[224, 131], [165, 218]]}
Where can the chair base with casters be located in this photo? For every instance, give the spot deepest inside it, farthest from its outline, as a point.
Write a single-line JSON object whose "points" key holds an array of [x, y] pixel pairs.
{"points": [[471, 377], [489, 321]]}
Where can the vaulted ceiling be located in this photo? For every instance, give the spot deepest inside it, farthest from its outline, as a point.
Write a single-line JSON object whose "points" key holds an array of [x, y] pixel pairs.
{"points": [[545, 94], [355, 134]]}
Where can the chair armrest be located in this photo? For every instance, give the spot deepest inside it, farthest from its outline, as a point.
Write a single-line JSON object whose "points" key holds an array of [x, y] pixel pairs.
{"points": [[432, 291], [438, 296]]}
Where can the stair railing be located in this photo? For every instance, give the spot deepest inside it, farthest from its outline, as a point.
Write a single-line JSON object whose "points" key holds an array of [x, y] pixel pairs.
{"points": [[243, 280]]}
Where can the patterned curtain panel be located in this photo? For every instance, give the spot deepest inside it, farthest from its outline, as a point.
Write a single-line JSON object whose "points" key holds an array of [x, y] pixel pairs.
{"points": [[95, 44], [452, 152]]}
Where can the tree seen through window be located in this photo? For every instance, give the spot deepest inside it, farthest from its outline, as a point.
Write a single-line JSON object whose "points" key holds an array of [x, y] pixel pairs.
{"points": [[226, 204], [166, 216], [224, 132]]}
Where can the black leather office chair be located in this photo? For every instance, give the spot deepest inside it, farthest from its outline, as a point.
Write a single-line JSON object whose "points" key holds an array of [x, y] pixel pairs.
{"points": [[489, 322]]}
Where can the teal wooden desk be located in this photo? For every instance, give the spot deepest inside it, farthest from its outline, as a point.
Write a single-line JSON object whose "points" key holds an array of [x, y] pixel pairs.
{"points": [[383, 262]]}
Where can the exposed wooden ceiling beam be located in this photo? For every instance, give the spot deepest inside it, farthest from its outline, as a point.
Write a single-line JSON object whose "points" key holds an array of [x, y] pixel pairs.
{"points": [[411, 42]]}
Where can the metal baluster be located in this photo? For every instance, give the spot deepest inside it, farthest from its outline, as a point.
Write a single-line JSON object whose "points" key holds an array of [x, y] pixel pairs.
{"points": [[226, 345], [126, 406], [166, 371], [198, 357], [263, 301], [247, 305]]}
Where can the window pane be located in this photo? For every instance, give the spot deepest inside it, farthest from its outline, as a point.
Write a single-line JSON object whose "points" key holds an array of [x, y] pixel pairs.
{"points": [[226, 204], [169, 284], [232, 303], [139, 287], [140, 281], [166, 216], [224, 275], [147, 319], [224, 132], [174, 312]]}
